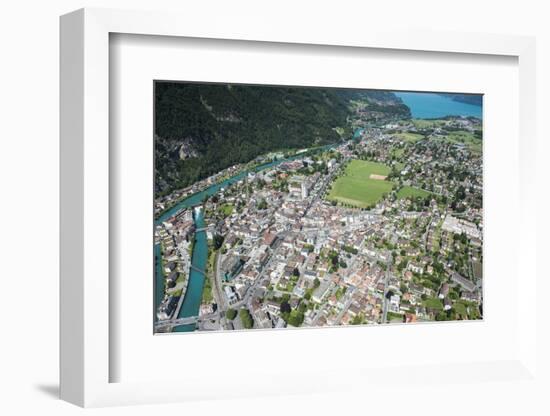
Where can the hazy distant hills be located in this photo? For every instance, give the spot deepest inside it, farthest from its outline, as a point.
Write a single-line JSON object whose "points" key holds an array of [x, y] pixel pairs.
{"points": [[201, 129], [384, 98], [475, 99]]}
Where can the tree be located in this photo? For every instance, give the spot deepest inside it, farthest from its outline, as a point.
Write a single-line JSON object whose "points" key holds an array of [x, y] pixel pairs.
{"points": [[231, 314], [262, 204], [296, 272], [316, 283], [218, 241], [334, 258], [285, 307], [296, 318], [246, 318], [441, 316]]}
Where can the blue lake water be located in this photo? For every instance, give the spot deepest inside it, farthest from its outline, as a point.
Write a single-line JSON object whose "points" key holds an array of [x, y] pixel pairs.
{"points": [[430, 105]]}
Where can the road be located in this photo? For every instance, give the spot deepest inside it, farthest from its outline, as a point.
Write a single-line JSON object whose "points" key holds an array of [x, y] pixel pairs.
{"points": [[175, 322], [186, 321], [386, 282], [218, 292]]}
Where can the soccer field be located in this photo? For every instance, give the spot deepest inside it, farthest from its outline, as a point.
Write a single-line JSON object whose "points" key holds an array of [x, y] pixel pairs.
{"points": [[356, 187], [363, 169]]}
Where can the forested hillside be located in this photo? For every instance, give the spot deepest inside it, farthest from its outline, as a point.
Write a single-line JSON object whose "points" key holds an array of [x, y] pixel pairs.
{"points": [[475, 99], [201, 129]]}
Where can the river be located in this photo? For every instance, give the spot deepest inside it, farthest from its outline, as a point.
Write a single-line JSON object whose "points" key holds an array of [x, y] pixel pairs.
{"points": [[193, 295]]}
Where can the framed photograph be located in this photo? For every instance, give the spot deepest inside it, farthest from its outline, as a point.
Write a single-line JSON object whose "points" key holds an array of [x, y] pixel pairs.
{"points": [[321, 213], [286, 207]]}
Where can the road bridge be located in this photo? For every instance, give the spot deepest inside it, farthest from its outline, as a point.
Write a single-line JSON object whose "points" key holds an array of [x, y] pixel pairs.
{"points": [[175, 322], [198, 270]]}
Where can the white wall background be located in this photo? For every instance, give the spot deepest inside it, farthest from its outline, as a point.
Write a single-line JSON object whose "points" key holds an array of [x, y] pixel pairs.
{"points": [[29, 115]]}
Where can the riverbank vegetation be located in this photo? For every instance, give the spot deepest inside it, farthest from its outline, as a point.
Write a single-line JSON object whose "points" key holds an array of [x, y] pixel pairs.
{"points": [[207, 294]]}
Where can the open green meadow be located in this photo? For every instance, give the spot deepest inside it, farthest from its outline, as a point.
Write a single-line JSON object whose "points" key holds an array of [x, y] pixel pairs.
{"points": [[362, 169], [467, 138], [398, 152], [433, 303], [427, 124], [409, 137], [356, 188], [226, 209], [411, 192]]}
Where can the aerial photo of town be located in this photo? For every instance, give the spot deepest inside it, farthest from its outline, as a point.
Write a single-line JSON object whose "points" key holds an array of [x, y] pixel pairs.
{"points": [[285, 207]]}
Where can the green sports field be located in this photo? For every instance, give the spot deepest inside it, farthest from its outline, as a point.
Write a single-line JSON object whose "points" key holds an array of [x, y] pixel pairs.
{"points": [[409, 137], [409, 191], [356, 187]]}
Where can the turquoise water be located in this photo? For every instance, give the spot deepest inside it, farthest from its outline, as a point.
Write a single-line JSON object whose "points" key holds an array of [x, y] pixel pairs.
{"points": [[430, 105], [196, 199], [193, 295]]}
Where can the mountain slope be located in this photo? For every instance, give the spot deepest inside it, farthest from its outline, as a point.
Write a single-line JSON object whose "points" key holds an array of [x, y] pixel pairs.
{"points": [[474, 99], [201, 129]]}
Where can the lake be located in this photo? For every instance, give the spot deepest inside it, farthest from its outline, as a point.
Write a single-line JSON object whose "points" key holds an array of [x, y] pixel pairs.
{"points": [[431, 105]]}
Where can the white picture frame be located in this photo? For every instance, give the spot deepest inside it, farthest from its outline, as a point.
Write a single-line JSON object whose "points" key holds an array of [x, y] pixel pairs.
{"points": [[85, 212]]}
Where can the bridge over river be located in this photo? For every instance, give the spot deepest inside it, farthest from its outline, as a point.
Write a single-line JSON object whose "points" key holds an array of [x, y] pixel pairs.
{"points": [[198, 270], [191, 302], [190, 320]]}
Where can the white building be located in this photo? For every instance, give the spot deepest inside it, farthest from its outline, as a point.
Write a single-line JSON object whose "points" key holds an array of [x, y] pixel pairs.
{"points": [[394, 303], [305, 191], [459, 226]]}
